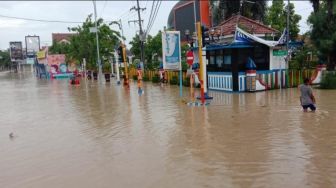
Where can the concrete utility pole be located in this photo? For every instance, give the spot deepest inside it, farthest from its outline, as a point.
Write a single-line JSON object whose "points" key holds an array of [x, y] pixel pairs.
{"points": [[287, 26], [141, 36], [100, 73]]}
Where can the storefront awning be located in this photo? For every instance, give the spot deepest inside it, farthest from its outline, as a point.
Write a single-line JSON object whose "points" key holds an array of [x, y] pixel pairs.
{"points": [[229, 46]]}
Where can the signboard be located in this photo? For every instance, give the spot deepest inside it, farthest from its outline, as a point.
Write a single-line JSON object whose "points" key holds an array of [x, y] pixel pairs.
{"points": [[190, 57], [93, 29], [279, 52], [171, 50], [30, 61], [15, 51], [32, 45]]}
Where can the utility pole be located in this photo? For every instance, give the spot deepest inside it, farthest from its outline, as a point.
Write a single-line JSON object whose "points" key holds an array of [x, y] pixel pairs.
{"points": [[100, 73], [141, 36], [287, 44]]}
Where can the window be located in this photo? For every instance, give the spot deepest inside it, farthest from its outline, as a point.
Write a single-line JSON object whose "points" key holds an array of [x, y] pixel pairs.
{"points": [[227, 60], [212, 58], [219, 58]]}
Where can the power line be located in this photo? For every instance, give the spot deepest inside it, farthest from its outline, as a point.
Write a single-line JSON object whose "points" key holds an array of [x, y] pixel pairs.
{"points": [[154, 17], [101, 13], [150, 16], [39, 20]]}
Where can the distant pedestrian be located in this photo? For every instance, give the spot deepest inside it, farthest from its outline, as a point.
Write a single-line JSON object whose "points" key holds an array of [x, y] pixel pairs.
{"points": [[307, 98]]}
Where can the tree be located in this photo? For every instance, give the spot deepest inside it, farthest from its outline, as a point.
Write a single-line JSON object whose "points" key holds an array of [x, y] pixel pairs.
{"points": [[153, 48], [83, 45], [59, 48], [224, 9], [276, 16], [316, 5], [323, 32], [4, 59], [135, 49]]}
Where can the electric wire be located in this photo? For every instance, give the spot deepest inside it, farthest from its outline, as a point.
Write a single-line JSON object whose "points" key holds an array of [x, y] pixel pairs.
{"points": [[150, 16], [154, 17], [39, 20]]}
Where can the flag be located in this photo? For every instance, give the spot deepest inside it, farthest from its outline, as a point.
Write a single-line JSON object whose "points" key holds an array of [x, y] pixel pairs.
{"points": [[283, 38]]}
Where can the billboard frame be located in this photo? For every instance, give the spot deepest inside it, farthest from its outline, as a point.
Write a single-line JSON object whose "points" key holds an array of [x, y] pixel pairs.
{"points": [[39, 45], [11, 51]]}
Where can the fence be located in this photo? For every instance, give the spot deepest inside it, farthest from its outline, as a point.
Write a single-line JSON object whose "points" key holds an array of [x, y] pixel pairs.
{"points": [[151, 73], [273, 79]]}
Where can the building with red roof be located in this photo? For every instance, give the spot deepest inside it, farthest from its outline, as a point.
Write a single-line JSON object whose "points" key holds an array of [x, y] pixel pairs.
{"points": [[62, 37]]}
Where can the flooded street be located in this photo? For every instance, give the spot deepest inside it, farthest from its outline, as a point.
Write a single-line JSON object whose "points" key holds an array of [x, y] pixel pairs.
{"points": [[107, 136]]}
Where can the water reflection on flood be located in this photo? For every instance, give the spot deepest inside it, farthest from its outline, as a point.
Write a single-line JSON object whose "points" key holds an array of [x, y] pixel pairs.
{"points": [[107, 136]]}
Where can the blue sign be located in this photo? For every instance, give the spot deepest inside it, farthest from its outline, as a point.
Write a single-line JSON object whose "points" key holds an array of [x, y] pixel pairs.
{"points": [[171, 50], [241, 37]]}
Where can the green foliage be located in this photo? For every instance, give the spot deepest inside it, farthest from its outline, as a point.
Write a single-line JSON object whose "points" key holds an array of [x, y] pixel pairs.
{"points": [[135, 49], [174, 80], [153, 50], [328, 80], [106, 68], [156, 78], [4, 59], [302, 58], [135, 77], [83, 44], [276, 16], [323, 33], [186, 82], [145, 78], [224, 9], [59, 48]]}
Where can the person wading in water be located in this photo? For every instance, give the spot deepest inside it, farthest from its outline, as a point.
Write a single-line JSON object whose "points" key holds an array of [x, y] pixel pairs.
{"points": [[307, 98]]}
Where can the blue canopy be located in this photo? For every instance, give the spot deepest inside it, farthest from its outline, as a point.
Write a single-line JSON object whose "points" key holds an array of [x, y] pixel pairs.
{"points": [[229, 46]]}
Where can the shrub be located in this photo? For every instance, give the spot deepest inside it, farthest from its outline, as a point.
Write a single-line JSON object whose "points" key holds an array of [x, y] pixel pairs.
{"points": [[186, 82], [145, 78], [156, 78], [174, 80], [135, 77], [328, 80]]}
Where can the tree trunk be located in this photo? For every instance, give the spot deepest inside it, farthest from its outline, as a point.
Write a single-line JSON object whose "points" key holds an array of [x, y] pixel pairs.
{"points": [[331, 62], [316, 5]]}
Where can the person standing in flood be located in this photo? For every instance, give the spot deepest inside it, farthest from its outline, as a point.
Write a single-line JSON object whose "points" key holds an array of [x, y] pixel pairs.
{"points": [[307, 98]]}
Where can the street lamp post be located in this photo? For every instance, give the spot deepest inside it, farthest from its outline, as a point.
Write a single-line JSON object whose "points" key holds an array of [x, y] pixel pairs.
{"points": [[100, 74]]}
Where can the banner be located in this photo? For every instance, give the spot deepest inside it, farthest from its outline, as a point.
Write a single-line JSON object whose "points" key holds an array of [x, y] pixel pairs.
{"points": [[56, 59], [242, 36], [171, 50], [15, 51], [283, 38]]}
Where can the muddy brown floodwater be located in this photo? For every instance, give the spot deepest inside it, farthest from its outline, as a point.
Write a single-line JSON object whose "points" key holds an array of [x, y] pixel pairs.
{"points": [[106, 136]]}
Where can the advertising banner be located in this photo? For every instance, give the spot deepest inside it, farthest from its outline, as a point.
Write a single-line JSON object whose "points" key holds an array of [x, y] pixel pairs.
{"points": [[16, 51], [171, 50], [56, 59], [32, 45]]}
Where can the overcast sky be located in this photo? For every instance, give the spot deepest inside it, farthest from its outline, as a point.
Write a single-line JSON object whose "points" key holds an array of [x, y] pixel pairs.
{"points": [[77, 11]]}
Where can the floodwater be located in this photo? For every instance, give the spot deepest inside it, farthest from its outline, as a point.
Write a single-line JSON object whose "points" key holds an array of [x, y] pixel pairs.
{"points": [[107, 136]]}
